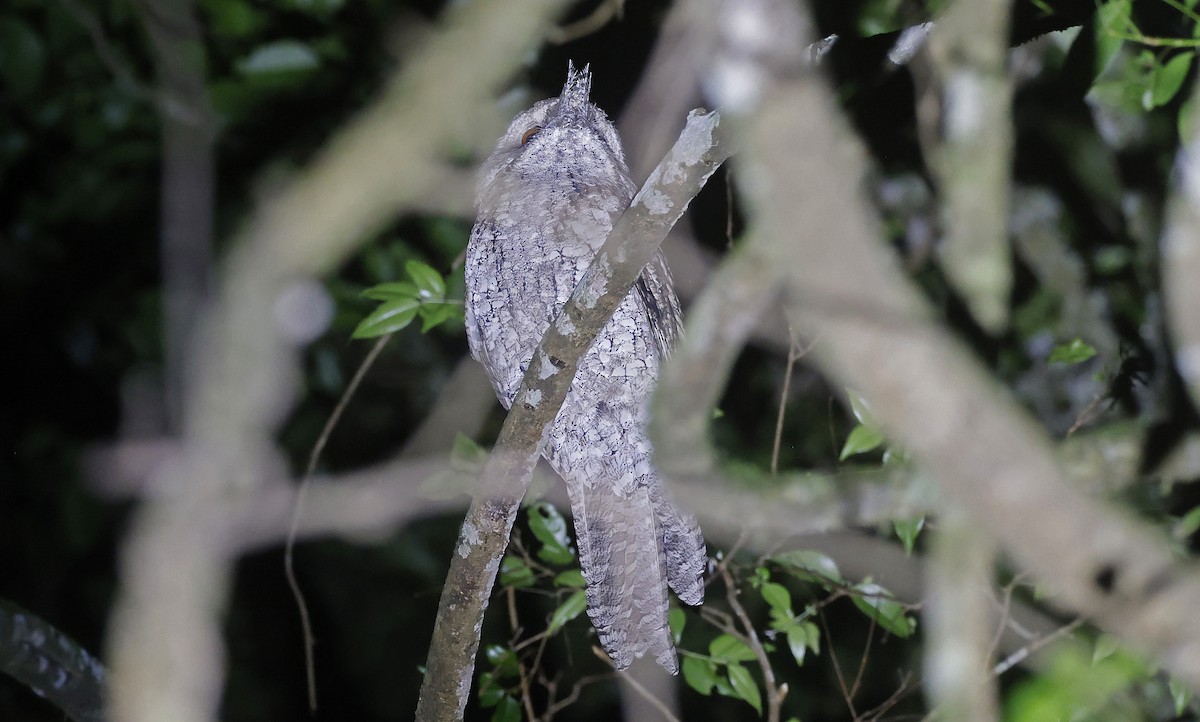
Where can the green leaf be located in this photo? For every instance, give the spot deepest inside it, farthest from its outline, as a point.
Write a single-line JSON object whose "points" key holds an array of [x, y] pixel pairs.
{"points": [[466, 455], [1187, 525], [388, 318], [503, 660], [676, 620], [515, 573], [1113, 18], [1110, 260], [1070, 687], [551, 530], [728, 648], [571, 579], [1072, 353], [876, 602], [861, 409], [801, 637], [1106, 646], [797, 645], [1168, 78], [700, 674], [809, 566], [431, 285], [861, 440], [391, 290], [281, 56], [567, 611], [908, 530], [22, 57], [490, 692], [509, 710], [778, 597], [743, 684], [435, 314], [233, 18], [1181, 695]]}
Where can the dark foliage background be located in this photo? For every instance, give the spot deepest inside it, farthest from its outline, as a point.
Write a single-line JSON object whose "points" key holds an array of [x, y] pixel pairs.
{"points": [[80, 304]]}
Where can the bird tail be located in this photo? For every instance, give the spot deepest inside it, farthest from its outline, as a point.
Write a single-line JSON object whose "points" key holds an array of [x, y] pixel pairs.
{"points": [[631, 545], [683, 546]]}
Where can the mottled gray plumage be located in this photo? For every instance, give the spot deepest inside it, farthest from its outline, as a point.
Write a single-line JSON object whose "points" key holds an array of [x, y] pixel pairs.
{"points": [[547, 198]]}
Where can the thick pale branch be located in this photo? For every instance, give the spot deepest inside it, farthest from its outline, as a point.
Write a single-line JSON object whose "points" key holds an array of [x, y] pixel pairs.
{"points": [[631, 244], [189, 131], [719, 323], [960, 623], [167, 655], [1181, 262], [875, 333], [970, 141]]}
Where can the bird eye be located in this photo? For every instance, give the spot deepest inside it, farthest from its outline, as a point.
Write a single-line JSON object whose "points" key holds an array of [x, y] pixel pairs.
{"points": [[527, 135]]}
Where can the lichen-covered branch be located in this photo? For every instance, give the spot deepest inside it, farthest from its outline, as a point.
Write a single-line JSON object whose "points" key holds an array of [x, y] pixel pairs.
{"points": [[632, 243]]}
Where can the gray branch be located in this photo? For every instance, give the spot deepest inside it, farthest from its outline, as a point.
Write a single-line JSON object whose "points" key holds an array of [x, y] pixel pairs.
{"points": [[189, 131], [873, 331], [960, 624], [165, 646], [1181, 263], [969, 99]]}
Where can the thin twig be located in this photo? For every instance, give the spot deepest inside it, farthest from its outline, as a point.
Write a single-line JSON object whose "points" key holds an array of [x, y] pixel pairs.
{"points": [[571, 697], [1090, 413], [104, 51], [775, 693], [837, 668], [728, 208], [289, 571], [637, 686], [783, 397], [881, 709], [862, 664], [1021, 654], [1005, 605]]}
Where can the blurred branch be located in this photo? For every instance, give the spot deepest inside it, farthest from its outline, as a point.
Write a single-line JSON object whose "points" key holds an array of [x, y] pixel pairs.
{"points": [[1181, 263], [125, 78], [635, 237], [1039, 239], [958, 622], [606, 11], [462, 405], [189, 130], [875, 332], [166, 644], [968, 132], [51, 664]]}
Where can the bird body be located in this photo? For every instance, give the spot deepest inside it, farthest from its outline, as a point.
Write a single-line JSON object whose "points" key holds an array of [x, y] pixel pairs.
{"points": [[547, 199]]}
